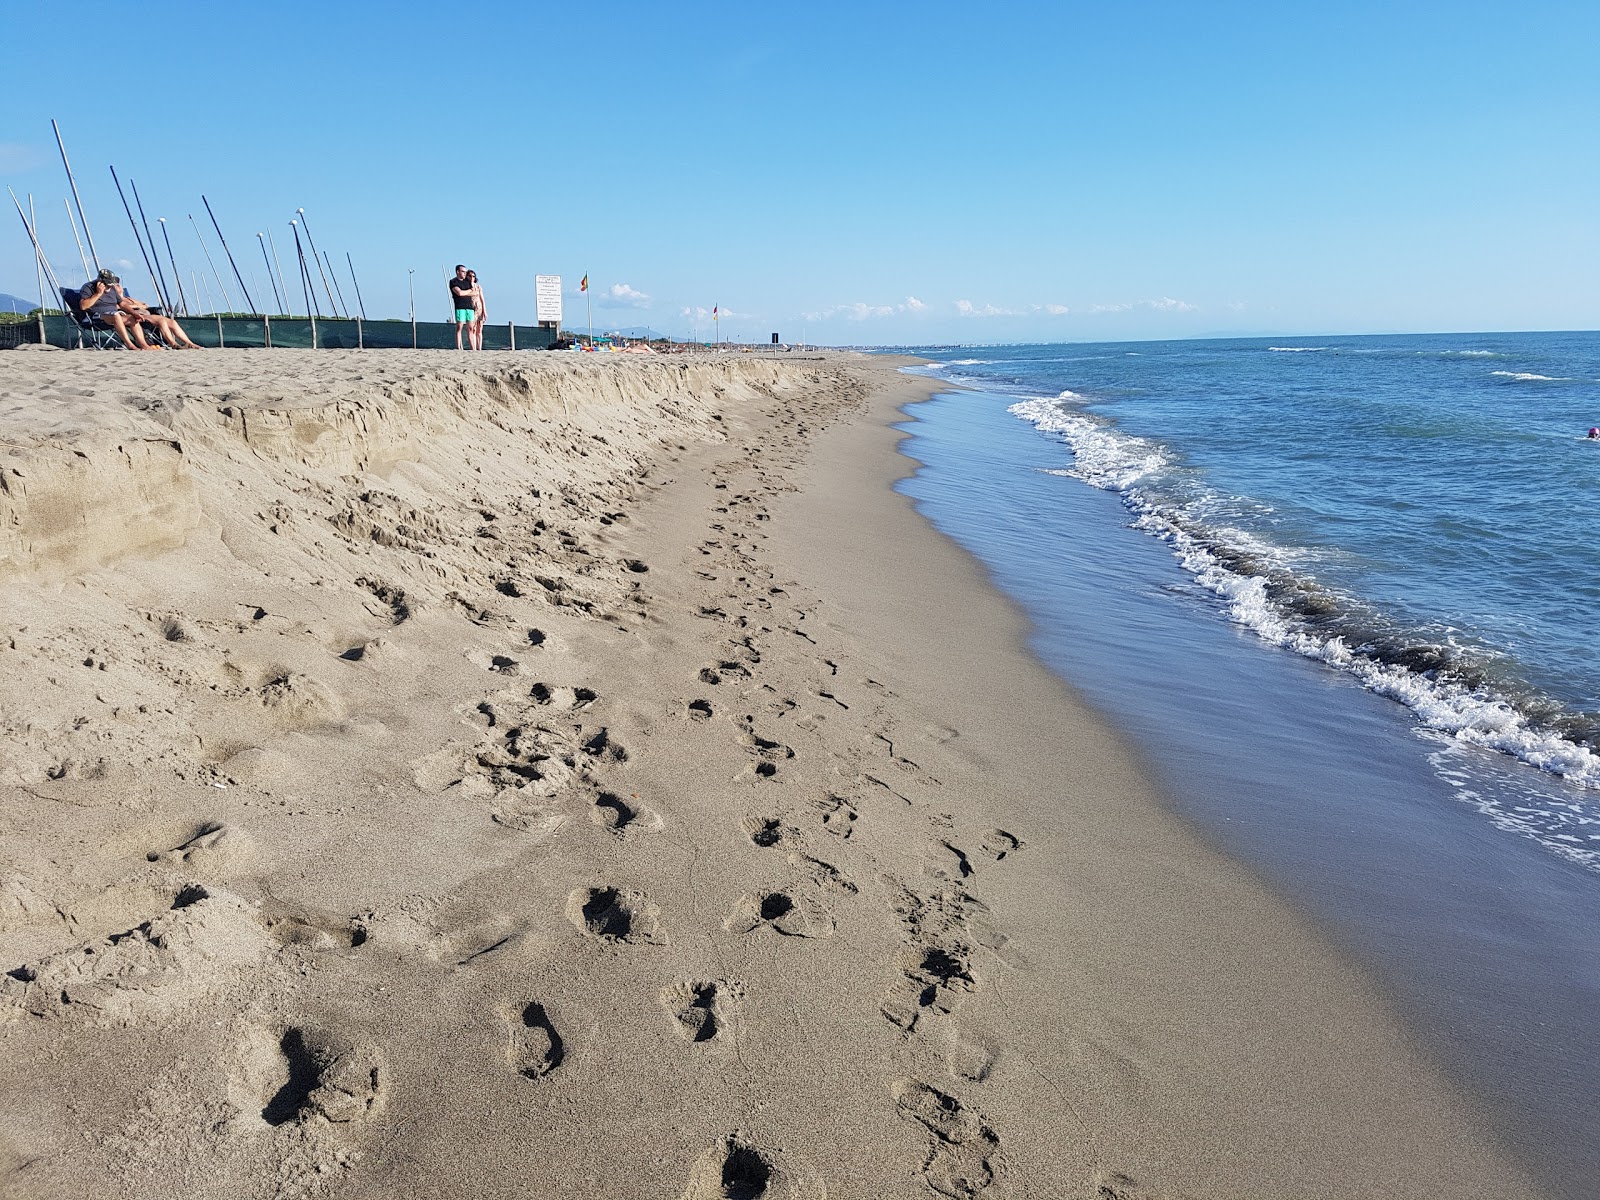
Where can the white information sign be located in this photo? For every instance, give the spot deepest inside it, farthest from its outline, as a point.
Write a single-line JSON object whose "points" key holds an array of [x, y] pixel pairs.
{"points": [[547, 298]]}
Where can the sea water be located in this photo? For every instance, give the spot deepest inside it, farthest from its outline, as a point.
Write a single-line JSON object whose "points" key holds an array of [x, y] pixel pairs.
{"points": [[1340, 593]]}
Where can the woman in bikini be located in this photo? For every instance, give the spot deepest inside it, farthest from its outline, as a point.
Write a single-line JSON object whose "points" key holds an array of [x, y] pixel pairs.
{"points": [[479, 308]]}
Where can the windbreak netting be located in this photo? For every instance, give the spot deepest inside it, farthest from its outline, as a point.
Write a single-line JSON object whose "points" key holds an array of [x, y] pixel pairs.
{"points": [[26, 333], [296, 333]]}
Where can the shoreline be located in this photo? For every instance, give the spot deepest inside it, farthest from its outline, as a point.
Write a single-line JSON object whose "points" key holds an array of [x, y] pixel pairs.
{"points": [[697, 820]]}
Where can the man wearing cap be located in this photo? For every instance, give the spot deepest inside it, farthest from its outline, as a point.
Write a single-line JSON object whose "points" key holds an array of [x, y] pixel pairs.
{"points": [[104, 299]]}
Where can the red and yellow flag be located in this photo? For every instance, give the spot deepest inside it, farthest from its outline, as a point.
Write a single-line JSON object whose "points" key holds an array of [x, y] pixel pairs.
{"points": [[583, 284]]}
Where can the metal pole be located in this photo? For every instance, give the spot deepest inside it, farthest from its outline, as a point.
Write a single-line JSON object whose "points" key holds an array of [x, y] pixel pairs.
{"points": [[134, 225], [313, 245], [360, 303], [266, 325], [73, 221], [38, 253], [275, 296], [313, 305], [411, 280], [222, 287], [229, 253], [305, 282], [166, 297], [360, 341], [177, 278], [512, 326], [337, 290], [287, 298], [74, 184], [221, 345], [201, 297], [38, 268]]}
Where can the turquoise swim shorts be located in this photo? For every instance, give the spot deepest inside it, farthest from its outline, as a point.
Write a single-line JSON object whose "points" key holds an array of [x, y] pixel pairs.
{"points": [[465, 316]]}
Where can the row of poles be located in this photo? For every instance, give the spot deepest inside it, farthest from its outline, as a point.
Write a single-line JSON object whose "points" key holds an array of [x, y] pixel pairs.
{"points": [[152, 256]]}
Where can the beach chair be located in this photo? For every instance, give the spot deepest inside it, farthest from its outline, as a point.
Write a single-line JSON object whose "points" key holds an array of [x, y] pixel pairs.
{"points": [[99, 334]]}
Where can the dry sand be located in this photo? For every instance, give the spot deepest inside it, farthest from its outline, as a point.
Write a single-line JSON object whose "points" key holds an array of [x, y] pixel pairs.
{"points": [[528, 776]]}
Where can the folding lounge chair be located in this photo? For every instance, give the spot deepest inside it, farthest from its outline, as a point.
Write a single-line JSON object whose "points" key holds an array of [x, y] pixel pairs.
{"points": [[101, 334]]}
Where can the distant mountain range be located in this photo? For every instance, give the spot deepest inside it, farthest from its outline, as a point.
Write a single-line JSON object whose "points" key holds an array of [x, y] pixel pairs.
{"points": [[16, 304]]}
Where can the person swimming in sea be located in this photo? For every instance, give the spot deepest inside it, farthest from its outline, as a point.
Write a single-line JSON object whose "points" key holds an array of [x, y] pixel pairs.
{"points": [[1594, 434]]}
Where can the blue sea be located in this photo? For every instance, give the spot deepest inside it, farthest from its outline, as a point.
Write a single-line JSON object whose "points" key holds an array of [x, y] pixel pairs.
{"points": [[1340, 593]]}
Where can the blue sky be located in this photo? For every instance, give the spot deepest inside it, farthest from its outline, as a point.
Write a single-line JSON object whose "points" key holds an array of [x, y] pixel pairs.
{"points": [[854, 173]]}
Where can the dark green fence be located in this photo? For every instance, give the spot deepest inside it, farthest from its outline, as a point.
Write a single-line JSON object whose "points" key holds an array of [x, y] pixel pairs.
{"points": [[302, 334]]}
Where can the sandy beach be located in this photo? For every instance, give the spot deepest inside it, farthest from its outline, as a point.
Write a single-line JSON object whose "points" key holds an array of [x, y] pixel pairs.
{"points": [[551, 776]]}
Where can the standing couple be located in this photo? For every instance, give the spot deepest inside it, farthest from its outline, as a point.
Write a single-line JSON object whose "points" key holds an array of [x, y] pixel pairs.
{"points": [[466, 297]]}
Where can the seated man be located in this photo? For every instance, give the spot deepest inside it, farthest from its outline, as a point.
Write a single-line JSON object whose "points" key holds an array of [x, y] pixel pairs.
{"points": [[104, 299]]}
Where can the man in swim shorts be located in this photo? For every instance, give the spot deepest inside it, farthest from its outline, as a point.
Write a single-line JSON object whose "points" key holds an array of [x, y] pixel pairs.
{"points": [[466, 312]]}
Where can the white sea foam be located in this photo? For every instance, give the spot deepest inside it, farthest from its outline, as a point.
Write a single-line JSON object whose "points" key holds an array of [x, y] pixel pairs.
{"points": [[1471, 353], [1529, 376], [1067, 395], [971, 362], [1118, 462], [1298, 349]]}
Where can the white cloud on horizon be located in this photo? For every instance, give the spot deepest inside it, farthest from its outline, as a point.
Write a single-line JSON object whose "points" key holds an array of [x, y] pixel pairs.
{"points": [[860, 311], [696, 313], [620, 295]]}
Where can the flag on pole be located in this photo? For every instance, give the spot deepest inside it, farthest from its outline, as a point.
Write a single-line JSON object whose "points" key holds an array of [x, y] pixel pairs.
{"points": [[713, 312], [583, 284]]}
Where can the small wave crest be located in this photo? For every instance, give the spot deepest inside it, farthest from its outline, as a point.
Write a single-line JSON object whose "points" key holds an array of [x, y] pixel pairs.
{"points": [[1458, 691], [1530, 377], [1298, 349], [971, 362]]}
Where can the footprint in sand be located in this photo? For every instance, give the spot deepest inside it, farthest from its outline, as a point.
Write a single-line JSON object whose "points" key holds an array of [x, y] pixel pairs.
{"points": [[931, 980], [737, 1169], [948, 861], [784, 912], [214, 848], [702, 1010], [513, 809], [997, 843], [968, 1058], [964, 1152], [533, 1047], [839, 816], [319, 1075], [770, 831], [564, 699], [609, 914], [622, 817]]}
